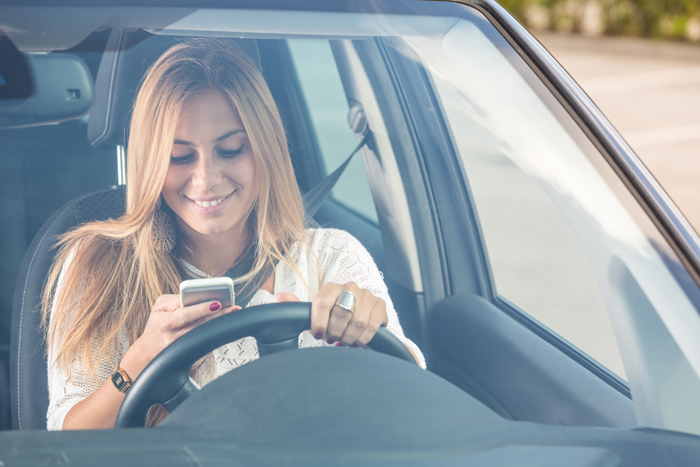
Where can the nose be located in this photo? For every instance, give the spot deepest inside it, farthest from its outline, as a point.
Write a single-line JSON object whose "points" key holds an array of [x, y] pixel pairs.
{"points": [[205, 175]]}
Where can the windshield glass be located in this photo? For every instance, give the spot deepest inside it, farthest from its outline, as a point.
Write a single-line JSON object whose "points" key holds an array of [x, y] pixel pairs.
{"points": [[474, 179], [506, 125]]}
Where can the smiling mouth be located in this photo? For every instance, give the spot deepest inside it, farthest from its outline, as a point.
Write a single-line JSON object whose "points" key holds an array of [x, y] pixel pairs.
{"points": [[207, 204]]}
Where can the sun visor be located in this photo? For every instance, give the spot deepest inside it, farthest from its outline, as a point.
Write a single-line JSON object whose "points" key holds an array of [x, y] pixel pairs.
{"points": [[127, 56], [63, 91]]}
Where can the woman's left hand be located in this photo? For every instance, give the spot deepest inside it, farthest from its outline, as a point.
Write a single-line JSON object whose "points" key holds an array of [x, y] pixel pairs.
{"points": [[336, 324]]}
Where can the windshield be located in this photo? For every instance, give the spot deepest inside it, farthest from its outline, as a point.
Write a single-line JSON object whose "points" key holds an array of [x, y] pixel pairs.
{"points": [[476, 178]]}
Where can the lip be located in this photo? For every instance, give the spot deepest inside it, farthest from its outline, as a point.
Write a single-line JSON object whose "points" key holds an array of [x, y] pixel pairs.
{"points": [[210, 209]]}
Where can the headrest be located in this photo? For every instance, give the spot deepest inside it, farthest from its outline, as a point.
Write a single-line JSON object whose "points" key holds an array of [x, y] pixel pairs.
{"points": [[127, 56]]}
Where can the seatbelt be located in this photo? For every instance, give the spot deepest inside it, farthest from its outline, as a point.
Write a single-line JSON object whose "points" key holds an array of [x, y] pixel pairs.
{"points": [[313, 199]]}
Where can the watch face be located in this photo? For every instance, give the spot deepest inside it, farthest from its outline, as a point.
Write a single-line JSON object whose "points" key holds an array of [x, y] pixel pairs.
{"points": [[118, 380]]}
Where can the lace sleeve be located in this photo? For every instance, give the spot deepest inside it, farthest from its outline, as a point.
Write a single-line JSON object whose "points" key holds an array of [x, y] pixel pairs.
{"points": [[343, 259], [67, 388]]}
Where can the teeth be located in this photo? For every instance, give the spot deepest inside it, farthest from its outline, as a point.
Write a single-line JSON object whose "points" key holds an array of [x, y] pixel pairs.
{"points": [[207, 204]]}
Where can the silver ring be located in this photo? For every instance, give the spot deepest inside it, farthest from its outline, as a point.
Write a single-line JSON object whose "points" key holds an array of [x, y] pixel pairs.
{"points": [[346, 300]]}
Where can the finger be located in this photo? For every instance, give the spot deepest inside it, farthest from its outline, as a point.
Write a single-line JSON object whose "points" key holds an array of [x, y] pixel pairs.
{"points": [[190, 315], [357, 323], [321, 306], [205, 318], [287, 297], [378, 318], [223, 312], [338, 322], [168, 302], [368, 334]]}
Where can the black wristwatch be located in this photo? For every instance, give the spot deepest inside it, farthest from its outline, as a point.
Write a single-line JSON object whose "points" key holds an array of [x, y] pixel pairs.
{"points": [[121, 380]]}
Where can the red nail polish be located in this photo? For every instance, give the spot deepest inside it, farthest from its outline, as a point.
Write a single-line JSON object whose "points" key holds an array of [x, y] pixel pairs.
{"points": [[338, 344], [216, 306], [318, 335]]}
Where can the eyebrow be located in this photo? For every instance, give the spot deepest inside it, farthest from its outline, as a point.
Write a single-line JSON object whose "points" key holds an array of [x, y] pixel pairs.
{"points": [[220, 138]]}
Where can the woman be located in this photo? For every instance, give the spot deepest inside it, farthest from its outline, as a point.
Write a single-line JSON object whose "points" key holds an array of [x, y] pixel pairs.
{"points": [[210, 185]]}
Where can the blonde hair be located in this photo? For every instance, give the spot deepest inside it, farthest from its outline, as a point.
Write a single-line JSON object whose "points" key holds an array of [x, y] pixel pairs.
{"points": [[116, 273]]}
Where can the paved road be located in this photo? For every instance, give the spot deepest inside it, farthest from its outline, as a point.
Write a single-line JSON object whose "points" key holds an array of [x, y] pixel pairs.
{"points": [[650, 91]]}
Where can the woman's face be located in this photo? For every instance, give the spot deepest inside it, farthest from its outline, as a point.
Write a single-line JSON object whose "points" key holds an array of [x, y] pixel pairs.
{"points": [[211, 181]]}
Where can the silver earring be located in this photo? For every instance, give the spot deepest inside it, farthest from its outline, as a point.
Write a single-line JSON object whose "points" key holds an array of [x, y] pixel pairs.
{"points": [[163, 233]]}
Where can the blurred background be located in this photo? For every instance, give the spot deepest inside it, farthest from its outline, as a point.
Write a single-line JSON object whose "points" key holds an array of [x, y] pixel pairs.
{"points": [[639, 60]]}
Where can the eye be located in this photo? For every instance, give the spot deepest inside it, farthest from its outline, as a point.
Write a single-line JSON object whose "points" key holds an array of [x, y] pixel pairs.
{"points": [[231, 154], [182, 160]]}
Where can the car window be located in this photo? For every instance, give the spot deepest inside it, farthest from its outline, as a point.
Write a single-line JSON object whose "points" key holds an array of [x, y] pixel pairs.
{"points": [[537, 260], [599, 187], [325, 99], [503, 210]]}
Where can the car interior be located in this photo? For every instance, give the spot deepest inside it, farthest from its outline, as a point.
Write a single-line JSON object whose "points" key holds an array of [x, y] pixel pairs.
{"points": [[57, 176]]}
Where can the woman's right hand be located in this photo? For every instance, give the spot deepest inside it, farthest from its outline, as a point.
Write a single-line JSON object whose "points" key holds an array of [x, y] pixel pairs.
{"points": [[168, 321]]}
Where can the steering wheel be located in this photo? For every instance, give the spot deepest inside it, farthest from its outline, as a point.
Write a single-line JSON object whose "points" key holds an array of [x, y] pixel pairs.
{"points": [[275, 326]]}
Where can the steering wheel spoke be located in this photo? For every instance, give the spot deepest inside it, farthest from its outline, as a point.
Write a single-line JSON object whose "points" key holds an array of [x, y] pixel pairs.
{"points": [[266, 348], [186, 390]]}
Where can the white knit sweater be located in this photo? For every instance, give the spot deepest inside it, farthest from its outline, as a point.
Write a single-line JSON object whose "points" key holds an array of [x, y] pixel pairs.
{"points": [[342, 259]]}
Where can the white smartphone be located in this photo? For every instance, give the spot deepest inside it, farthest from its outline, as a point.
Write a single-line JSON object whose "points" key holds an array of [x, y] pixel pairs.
{"points": [[197, 291]]}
